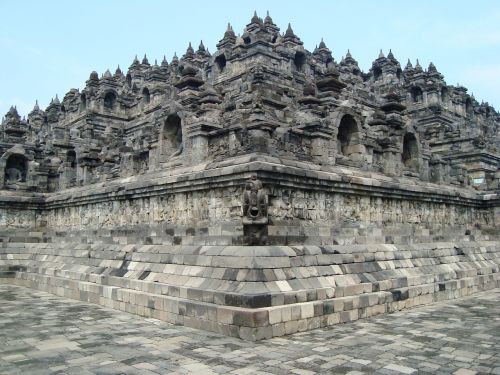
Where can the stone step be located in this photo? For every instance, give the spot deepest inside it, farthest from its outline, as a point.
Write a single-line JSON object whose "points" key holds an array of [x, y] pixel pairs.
{"points": [[241, 290]]}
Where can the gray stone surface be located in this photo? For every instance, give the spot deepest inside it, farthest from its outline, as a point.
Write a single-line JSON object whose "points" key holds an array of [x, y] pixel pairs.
{"points": [[149, 190], [255, 292], [45, 334], [160, 153]]}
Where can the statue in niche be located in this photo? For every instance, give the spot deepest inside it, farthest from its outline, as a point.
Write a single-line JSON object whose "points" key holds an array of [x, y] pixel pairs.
{"points": [[254, 213], [13, 175]]}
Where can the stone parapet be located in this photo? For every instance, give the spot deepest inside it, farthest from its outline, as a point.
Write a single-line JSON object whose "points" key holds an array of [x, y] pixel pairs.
{"points": [[307, 204]]}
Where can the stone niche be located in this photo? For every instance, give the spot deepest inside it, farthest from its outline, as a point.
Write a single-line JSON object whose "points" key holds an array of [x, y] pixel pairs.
{"points": [[17, 169], [172, 136]]}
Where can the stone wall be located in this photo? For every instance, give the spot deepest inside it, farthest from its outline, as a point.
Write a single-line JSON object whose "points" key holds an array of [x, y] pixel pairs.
{"points": [[205, 207], [256, 292], [152, 191], [15, 218]]}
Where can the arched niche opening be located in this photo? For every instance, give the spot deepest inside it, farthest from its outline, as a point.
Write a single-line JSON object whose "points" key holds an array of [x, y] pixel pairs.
{"points": [[110, 100], [70, 170], [417, 96], [468, 106], [141, 162], [348, 128], [71, 158], [410, 151], [146, 97], [444, 95], [172, 135], [128, 78], [299, 60], [377, 73], [16, 169], [220, 61], [83, 102]]}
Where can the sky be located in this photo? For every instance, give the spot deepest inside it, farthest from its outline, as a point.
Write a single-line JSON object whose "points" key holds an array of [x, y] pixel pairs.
{"points": [[48, 47]]}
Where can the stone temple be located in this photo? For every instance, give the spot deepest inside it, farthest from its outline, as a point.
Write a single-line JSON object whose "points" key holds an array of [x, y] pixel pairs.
{"points": [[257, 191]]}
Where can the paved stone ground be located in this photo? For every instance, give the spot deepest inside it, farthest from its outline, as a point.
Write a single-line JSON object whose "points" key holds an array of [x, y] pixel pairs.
{"points": [[45, 334]]}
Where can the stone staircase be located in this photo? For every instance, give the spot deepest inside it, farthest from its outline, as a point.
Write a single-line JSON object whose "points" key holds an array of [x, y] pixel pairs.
{"points": [[255, 292]]}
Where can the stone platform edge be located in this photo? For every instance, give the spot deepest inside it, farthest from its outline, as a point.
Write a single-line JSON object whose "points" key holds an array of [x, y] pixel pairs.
{"points": [[272, 171], [261, 320], [246, 323]]}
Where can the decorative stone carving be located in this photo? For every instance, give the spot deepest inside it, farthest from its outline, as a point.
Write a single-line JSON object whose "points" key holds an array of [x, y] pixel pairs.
{"points": [[254, 213], [161, 145], [254, 202]]}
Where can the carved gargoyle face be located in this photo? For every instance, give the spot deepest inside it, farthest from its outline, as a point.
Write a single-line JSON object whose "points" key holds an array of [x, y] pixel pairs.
{"points": [[253, 211]]}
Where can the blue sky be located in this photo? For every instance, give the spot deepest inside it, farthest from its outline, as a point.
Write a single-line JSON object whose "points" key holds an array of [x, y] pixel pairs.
{"points": [[48, 47]]}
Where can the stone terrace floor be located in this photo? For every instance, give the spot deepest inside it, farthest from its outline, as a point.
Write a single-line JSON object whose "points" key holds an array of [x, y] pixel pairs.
{"points": [[45, 334]]}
